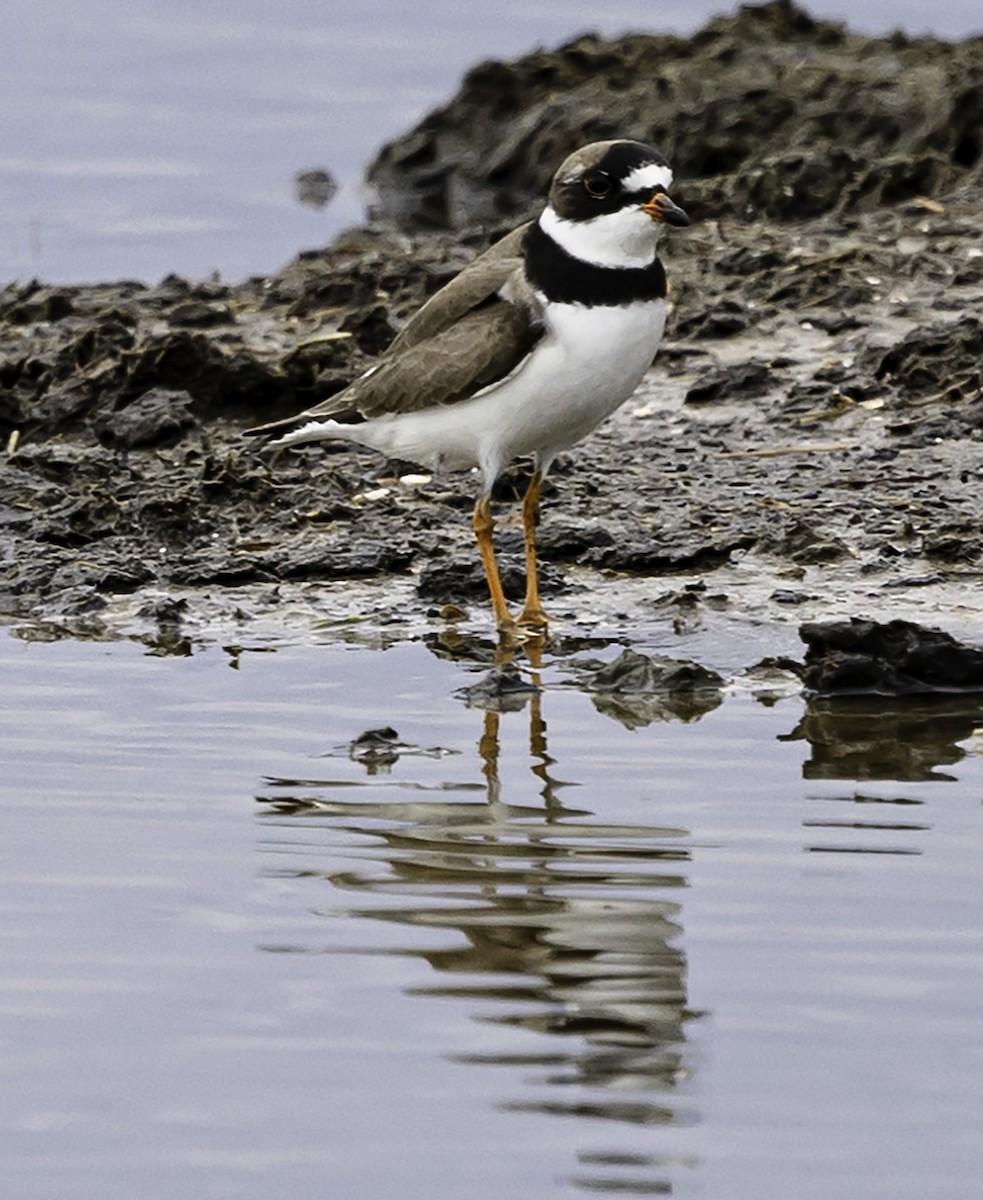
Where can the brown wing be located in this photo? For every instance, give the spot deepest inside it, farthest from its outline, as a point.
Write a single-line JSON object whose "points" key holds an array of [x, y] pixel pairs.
{"points": [[481, 348], [463, 339], [473, 286]]}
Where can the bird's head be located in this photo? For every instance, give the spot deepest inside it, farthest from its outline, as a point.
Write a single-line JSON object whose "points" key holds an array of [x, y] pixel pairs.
{"points": [[609, 203]]}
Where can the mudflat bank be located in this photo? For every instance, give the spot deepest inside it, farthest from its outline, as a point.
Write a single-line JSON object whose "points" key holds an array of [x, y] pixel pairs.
{"points": [[809, 442]]}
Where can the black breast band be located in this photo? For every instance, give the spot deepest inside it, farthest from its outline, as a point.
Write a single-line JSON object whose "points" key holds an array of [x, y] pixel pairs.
{"points": [[567, 280]]}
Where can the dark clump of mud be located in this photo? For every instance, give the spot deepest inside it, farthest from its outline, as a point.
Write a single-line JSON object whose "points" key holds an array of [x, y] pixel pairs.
{"points": [[767, 115], [814, 421], [899, 658], [637, 689]]}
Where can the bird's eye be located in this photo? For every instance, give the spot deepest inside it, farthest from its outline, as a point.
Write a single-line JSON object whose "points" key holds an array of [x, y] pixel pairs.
{"points": [[598, 185]]}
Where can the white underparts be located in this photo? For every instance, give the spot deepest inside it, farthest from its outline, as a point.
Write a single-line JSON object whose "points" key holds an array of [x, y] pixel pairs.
{"points": [[588, 363]]}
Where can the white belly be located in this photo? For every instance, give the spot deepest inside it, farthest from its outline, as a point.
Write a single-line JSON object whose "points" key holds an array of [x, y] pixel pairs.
{"points": [[589, 362]]}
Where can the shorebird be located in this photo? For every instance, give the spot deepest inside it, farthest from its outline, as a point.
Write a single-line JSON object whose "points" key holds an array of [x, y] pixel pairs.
{"points": [[527, 350]]}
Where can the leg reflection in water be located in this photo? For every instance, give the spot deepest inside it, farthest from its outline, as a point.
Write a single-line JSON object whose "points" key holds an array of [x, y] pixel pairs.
{"points": [[568, 924]]}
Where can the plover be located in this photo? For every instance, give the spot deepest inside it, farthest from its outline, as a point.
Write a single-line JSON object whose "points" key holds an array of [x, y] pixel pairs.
{"points": [[527, 350]]}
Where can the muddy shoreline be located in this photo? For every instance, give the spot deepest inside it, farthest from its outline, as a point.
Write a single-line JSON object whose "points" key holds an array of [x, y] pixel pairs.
{"points": [[808, 444]]}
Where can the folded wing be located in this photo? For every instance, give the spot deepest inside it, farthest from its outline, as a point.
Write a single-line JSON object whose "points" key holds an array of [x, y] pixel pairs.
{"points": [[465, 338]]}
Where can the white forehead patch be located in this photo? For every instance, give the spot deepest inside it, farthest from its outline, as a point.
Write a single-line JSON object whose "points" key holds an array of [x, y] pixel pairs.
{"points": [[650, 176]]}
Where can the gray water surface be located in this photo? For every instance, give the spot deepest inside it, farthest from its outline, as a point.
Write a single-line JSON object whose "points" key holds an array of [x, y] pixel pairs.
{"points": [[162, 136], [532, 953]]}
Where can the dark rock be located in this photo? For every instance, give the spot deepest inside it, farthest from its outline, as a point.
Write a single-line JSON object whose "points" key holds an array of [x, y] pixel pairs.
{"points": [[683, 552], [221, 382], [790, 597], [370, 328], [803, 543], [376, 749], [35, 303], [202, 570], [724, 319], [765, 113], [198, 314], [932, 359], [916, 581], [637, 689], [79, 601], [955, 543], [837, 322], [742, 379], [157, 418], [503, 689], [62, 406], [897, 178], [634, 672], [922, 430], [898, 658], [567, 541], [174, 289], [343, 562], [167, 610], [315, 188], [807, 183], [749, 260]]}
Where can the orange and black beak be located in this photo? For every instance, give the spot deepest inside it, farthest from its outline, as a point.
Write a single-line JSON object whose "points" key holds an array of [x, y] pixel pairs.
{"points": [[661, 208]]}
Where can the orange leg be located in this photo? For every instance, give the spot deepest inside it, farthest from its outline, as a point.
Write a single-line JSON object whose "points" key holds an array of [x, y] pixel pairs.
{"points": [[483, 526], [532, 611]]}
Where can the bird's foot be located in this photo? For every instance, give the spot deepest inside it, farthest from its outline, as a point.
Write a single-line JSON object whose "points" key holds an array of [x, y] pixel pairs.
{"points": [[523, 633], [534, 619], [516, 633]]}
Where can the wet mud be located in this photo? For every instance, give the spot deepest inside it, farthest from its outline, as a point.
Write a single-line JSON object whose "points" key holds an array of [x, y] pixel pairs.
{"points": [[808, 446]]}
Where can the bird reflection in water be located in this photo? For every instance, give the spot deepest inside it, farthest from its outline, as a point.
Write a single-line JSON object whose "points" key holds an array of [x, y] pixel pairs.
{"points": [[568, 926]]}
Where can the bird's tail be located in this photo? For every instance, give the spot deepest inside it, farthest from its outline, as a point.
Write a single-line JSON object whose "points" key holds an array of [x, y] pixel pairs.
{"points": [[313, 431]]}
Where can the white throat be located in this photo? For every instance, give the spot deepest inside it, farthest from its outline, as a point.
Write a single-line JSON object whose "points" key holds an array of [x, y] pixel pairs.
{"points": [[627, 238]]}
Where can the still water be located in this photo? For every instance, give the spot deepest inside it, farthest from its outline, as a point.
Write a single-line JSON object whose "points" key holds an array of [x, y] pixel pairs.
{"points": [[565, 949], [153, 136]]}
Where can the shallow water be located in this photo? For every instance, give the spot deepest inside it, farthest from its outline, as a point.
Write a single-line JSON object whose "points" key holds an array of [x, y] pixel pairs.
{"points": [[527, 953], [143, 138]]}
